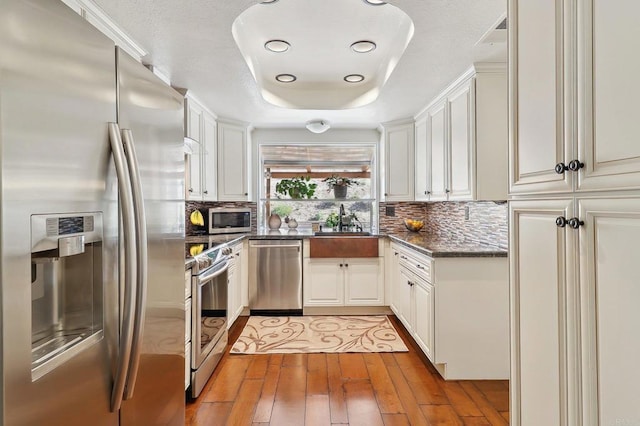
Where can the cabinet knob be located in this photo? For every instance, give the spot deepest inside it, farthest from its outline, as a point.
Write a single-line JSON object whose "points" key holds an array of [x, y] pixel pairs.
{"points": [[346, 264], [575, 165], [385, 194], [447, 191], [561, 222], [190, 189], [341, 265], [561, 168], [428, 192], [575, 223], [246, 193]]}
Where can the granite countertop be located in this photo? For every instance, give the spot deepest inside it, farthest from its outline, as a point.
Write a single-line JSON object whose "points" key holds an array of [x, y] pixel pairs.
{"points": [[434, 246], [429, 245]]}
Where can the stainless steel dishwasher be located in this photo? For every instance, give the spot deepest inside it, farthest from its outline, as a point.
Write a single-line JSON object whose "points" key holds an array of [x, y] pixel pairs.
{"points": [[275, 277]]}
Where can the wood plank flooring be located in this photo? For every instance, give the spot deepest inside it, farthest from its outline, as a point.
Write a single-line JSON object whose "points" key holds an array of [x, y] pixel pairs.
{"points": [[343, 389]]}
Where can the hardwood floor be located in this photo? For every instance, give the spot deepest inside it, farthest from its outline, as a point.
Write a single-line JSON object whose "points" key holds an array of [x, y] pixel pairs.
{"points": [[338, 389]]}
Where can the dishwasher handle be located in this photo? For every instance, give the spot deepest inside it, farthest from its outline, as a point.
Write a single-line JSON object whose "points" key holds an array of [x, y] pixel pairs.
{"points": [[275, 246]]}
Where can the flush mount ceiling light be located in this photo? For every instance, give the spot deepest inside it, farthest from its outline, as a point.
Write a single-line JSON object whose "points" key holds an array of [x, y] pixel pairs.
{"points": [[277, 46], [286, 78], [371, 2], [354, 78], [317, 126], [363, 46]]}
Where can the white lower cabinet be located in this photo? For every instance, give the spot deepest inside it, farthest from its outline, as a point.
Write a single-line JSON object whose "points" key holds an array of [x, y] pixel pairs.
{"points": [[574, 295], [343, 282], [237, 282], [456, 309]]}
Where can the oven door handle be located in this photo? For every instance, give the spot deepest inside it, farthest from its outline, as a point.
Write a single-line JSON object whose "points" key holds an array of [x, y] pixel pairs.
{"points": [[208, 276]]}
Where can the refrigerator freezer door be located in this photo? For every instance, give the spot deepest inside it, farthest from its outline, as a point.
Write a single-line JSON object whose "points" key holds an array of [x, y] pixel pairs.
{"points": [[153, 112], [57, 95]]}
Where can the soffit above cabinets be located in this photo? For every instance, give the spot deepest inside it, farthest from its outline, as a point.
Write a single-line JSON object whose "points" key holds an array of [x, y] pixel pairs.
{"points": [[322, 54]]}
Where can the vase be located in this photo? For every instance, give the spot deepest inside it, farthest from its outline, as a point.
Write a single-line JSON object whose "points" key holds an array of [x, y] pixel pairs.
{"points": [[292, 223], [340, 191], [274, 221]]}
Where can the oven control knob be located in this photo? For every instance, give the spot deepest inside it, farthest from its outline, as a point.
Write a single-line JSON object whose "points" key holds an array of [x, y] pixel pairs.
{"points": [[226, 251]]}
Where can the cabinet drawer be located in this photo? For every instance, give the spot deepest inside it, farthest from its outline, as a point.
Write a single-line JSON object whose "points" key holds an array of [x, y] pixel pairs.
{"points": [[422, 266]]}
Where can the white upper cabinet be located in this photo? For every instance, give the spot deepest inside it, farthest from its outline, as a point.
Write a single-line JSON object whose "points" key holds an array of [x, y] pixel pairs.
{"points": [[607, 100], [466, 144], [232, 161], [209, 158], [200, 128], [437, 149], [399, 151], [537, 75], [574, 97], [461, 123], [422, 184]]}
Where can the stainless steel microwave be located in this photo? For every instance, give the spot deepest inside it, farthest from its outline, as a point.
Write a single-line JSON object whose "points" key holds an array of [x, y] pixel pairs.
{"points": [[227, 221]]}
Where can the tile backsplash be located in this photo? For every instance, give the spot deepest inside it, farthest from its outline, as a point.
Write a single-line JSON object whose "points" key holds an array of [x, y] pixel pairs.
{"points": [[204, 209], [480, 221]]}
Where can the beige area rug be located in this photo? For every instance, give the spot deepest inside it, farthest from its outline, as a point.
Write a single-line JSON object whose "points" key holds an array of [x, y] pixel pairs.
{"points": [[308, 334]]}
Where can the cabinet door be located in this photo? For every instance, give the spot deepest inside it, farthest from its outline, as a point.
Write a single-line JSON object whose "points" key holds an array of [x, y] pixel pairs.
{"points": [[193, 120], [232, 162], [403, 298], [394, 275], [608, 106], [461, 164], [536, 97], [437, 149], [610, 291], [323, 282], [240, 281], [424, 323], [399, 162], [231, 295], [209, 159], [194, 173], [364, 282], [422, 184], [542, 302]]}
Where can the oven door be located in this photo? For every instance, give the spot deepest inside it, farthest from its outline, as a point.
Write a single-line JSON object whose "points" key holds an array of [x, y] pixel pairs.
{"points": [[209, 318]]}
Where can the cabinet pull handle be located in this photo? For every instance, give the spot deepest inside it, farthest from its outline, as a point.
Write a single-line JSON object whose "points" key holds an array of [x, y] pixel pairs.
{"points": [[403, 257], [395, 253], [575, 223], [561, 222], [428, 192], [190, 189], [420, 267], [561, 168], [447, 191], [206, 192], [575, 165]]}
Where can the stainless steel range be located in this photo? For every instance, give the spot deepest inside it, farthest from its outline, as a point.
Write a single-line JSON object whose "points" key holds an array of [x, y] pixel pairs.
{"points": [[209, 314]]}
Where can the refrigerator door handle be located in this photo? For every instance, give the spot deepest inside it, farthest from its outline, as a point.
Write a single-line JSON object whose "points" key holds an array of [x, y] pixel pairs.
{"points": [[129, 234], [141, 261]]}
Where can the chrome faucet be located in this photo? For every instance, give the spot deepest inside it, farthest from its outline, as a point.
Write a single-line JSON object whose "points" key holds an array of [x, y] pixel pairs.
{"points": [[340, 216]]}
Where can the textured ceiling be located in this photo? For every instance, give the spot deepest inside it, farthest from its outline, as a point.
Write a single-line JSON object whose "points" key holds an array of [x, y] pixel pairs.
{"points": [[192, 42]]}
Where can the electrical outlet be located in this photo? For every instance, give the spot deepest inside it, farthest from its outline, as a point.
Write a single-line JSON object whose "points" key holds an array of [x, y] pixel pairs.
{"points": [[466, 213], [390, 211]]}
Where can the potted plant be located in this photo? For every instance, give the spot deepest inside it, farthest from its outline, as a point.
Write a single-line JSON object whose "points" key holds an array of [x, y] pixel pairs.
{"points": [[297, 187], [339, 185]]}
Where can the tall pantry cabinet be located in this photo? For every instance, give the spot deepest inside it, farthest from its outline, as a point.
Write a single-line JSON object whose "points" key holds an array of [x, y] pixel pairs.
{"points": [[574, 212]]}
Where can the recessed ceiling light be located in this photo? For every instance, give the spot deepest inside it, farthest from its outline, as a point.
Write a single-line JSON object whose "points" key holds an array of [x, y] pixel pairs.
{"points": [[277, 46], [371, 2], [317, 126], [286, 78], [354, 78], [363, 46]]}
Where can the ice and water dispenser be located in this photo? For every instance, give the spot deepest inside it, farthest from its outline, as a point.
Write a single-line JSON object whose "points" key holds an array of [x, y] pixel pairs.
{"points": [[66, 287]]}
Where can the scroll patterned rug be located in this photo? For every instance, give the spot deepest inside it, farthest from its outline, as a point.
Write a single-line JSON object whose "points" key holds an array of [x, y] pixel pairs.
{"points": [[307, 334]]}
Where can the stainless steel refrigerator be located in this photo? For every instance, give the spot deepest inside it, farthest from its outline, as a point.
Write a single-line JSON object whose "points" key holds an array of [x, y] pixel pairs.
{"points": [[92, 237]]}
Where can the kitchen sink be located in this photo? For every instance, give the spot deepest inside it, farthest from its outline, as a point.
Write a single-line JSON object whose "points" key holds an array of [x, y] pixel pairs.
{"points": [[341, 234]]}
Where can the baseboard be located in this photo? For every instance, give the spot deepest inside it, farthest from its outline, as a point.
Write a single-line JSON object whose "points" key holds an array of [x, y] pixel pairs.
{"points": [[347, 310]]}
